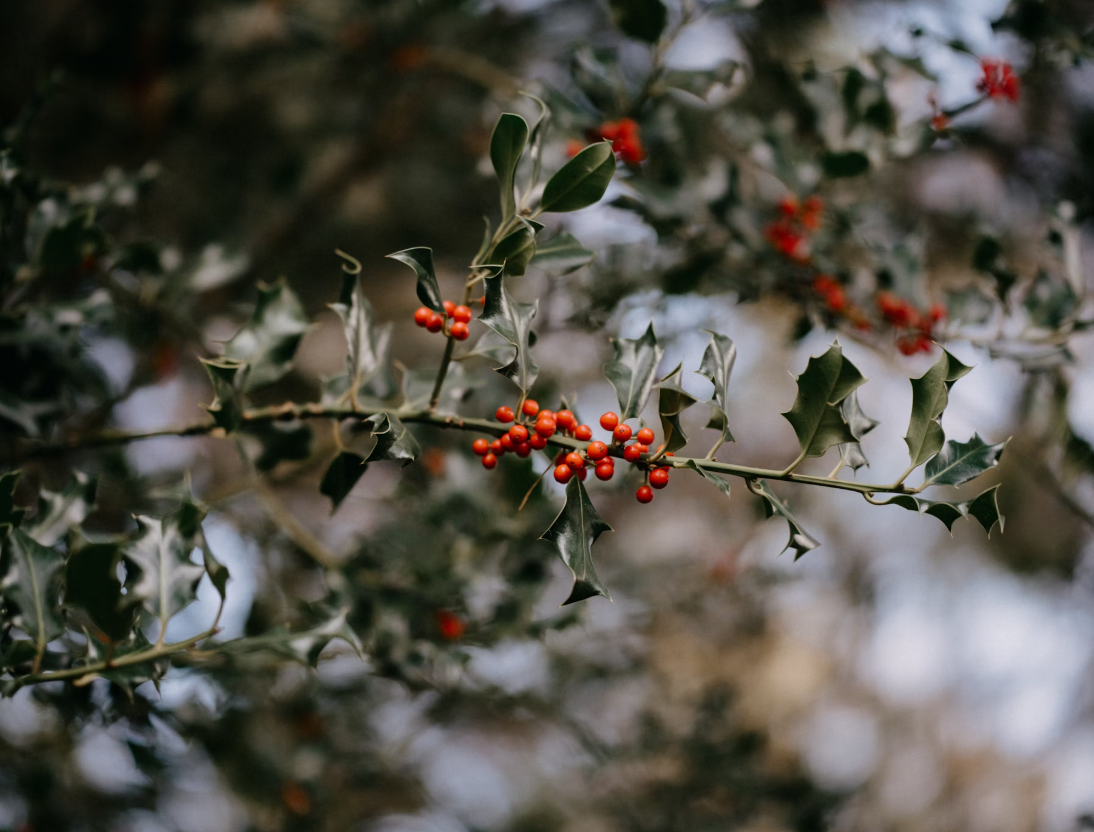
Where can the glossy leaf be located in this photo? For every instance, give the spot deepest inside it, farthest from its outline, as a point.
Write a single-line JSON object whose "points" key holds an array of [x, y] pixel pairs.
{"points": [[851, 454], [516, 249], [61, 510], [32, 584], [960, 462], [672, 400], [268, 342], [229, 378], [632, 371], [342, 474], [93, 592], [368, 345], [930, 395], [717, 366], [393, 440], [10, 514], [800, 540], [641, 19], [421, 260], [582, 181], [816, 416], [721, 482], [562, 254], [513, 322], [573, 533], [984, 509], [506, 147]]}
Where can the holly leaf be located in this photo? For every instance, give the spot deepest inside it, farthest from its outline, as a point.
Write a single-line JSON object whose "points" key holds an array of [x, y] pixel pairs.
{"points": [[641, 19], [93, 592], [506, 147], [984, 509], [229, 378], [573, 533], [816, 416], [303, 646], [279, 442], [59, 511], [342, 474], [960, 462], [393, 440], [721, 482], [845, 165], [581, 181], [517, 248], [562, 254], [930, 395], [672, 400], [32, 585], [513, 322], [800, 540], [717, 366], [421, 260], [10, 515], [368, 346], [632, 371], [269, 340], [851, 454]]}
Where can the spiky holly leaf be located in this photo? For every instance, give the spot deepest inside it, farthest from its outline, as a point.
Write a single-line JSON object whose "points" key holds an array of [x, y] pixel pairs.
{"points": [[31, 588], [632, 371], [368, 356], [984, 509], [303, 646], [229, 379], [421, 260], [573, 533], [342, 474], [59, 511], [800, 540], [517, 248], [506, 147], [717, 366], [930, 395], [721, 482], [93, 592], [562, 254], [851, 454], [10, 515], [816, 416], [269, 340], [581, 181], [513, 322], [960, 462], [393, 440], [672, 400]]}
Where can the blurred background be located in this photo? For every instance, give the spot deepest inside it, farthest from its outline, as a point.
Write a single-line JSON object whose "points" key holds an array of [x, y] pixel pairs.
{"points": [[895, 678]]}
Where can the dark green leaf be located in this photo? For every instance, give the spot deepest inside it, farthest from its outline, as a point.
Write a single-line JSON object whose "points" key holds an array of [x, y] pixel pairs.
{"points": [[721, 482], [280, 442], [61, 510], [632, 371], [513, 322], [717, 366], [930, 395], [860, 424], [960, 462], [229, 378], [93, 592], [421, 260], [800, 540], [816, 416], [581, 181], [984, 509], [641, 19], [269, 340], [561, 255], [506, 147], [303, 646], [840, 165], [672, 400], [1050, 302], [217, 571], [368, 346], [32, 585], [573, 533], [10, 515], [393, 440], [517, 249], [341, 476], [23, 415]]}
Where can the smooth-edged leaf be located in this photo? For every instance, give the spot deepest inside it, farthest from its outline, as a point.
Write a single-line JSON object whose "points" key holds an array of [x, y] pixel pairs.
{"points": [[516, 249], [229, 378], [800, 540], [59, 511], [368, 355], [93, 591], [851, 454], [984, 509], [31, 588], [721, 482], [303, 646], [342, 474], [717, 366], [280, 442], [421, 260], [580, 182], [930, 395], [537, 138], [562, 254], [843, 165], [393, 440], [816, 416], [672, 400], [218, 573], [960, 462], [513, 322], [573, 533], [641, 19], [269, 340], [506, 147], [632, 371], [10, 514]]}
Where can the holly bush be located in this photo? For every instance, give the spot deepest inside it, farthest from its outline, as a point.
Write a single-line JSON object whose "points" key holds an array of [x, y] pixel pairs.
{"points": [[366, 584]]}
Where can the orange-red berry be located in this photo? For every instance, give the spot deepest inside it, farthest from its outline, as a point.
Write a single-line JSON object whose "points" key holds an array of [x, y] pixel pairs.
{"points": [[609, 420], [596, 451], [489, 462], [546, 428], [563, 473], [583, 433], [518, 433], [507, 443], [621, 433], [575, 460], [459, 331], [422, 315], [530, 407], [644, 436], [481, 447], [504, 414], [435, 322], [937, 313], [645, 494], [604, 471], [582, 473], [462, 314], [449, 625], [538, 442], [523, 449], [659, 477], [449, 307], [631, 453], [565, 419], [496, 448]]}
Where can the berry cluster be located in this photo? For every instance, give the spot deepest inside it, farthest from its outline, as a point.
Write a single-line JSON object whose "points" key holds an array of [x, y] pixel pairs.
{"points": [[999, 80], [790, 233], [453, 322], [624, 137], [918, 327]]}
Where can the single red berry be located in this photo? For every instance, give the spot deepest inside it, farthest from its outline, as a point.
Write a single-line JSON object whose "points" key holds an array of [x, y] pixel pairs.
{"points": [[563, 473], [604, 471], [937, 313], [538, 442], [518, 433], [582, 473], [645, 494], [462, 314], [496, 448], [644, 436], [547, 414], [504, 414], [596, 450], [523, 449], [435, 322], [481, 447], [659, 477], [530, 407], [621, 433], [422, 315], [507, 443], [459, 331], [546, 428], [449, 625], [583, 433], [489, 462], [575, 460], [631, 453], [644, 449], [565, 419], [609, 420], [788, 206], [449, 307]]}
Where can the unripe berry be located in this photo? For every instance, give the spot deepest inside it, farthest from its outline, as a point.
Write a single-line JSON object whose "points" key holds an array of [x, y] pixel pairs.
{"points": [[462, 314], [459, 331], [609, 420], [537, 441], [449, 307], [622, 433], [504, 414], [645, 494], [489, 462], [506, 443], [518, 433], [583, 433], [565, 419], [575, 460], [435, 322], [563, 473], [422, 315], [631, 453], [481, 447], [604, 471], [546, 428], [659, 477], [530, 407], [644, 436], [523, 449], [596, 450]]}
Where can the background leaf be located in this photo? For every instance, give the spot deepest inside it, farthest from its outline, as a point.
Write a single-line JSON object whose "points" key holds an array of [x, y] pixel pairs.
{"points": [[632, 371], [573, 533], [341, 475], [93, 590], [562, 254], [32, 583], [641, 19], [582, 181], [269, 340], [229, 378], [368, 346], [59, 511]]}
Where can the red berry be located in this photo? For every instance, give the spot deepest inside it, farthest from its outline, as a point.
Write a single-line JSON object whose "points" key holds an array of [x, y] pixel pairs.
{"points": [[489, 462], [449, 625], [518, 433], [609, 420], [631, 453], [481, 447], [546, 428], [546, 414], [462, 314], [575, 460], [604, 471], [560, 457], [459, 331], [596, 450], [645, 449], [644, 436], [563, 473], [937, 313], [537, 441], [582, 473], [507, 443], [583, 433], [565, 419], [645, 494], [622, 433], [659, 477], [422, 315], [530, 407], [449, 307], [496, 448], [504, 414], [435, 322], [523, 449]]}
